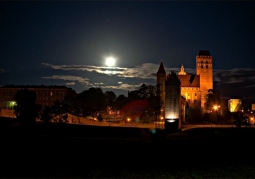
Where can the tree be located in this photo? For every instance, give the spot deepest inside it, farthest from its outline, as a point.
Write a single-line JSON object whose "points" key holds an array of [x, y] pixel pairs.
{"points": [[26, 110], [212, 99], [72, 106], [144, 92], [194, 114], [120, 101], [92, 101], [46, 115], [240, 119], [153, 110], [110, 98], [59, 112], [100, 118], [147, 92]]}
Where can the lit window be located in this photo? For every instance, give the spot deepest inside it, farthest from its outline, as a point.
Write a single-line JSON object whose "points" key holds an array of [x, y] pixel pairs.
{"points": [[51, 93]]}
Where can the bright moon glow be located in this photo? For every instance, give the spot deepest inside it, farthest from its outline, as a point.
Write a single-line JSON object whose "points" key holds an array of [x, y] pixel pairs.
{"points": [[110, 61]]}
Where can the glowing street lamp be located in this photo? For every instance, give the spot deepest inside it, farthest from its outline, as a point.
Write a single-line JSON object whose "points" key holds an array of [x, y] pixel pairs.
{"points": [[216, 107]]}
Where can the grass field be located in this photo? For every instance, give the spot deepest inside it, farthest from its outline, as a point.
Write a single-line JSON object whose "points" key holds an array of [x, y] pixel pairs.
{"points": [[72, 151]]}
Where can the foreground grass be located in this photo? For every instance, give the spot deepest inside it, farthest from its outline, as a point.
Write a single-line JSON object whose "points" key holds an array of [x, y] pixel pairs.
{"points": [[94, 152]]}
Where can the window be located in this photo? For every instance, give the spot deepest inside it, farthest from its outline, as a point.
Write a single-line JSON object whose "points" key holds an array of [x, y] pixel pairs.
{"points": [[51, 93]]}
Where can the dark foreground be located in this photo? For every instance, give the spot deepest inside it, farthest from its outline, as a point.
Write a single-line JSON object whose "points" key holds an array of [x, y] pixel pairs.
{"points": [[99, 152]]}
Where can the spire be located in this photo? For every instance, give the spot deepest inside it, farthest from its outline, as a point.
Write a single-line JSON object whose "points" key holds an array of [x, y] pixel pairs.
{"points": [[182, 72], [161, 68]]}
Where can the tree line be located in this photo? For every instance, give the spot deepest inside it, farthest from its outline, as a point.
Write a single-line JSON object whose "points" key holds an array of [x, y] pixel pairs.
{"points": [[92, 102], [95, 103]]}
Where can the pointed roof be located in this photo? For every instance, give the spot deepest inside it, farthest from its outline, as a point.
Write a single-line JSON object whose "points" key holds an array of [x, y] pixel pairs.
{"points": [[161, 68], [182, 71]]}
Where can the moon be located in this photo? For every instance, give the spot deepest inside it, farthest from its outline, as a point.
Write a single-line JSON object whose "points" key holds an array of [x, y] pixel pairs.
{"points": [[110, 61]]}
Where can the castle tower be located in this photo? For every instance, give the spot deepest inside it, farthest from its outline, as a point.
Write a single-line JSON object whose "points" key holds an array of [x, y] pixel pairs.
{"points": [[204, 69], [173, 101], [161, 79]]}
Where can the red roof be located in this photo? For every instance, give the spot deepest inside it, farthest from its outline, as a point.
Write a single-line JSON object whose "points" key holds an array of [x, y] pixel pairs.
{"points": [[136, 106], [189, 80]]}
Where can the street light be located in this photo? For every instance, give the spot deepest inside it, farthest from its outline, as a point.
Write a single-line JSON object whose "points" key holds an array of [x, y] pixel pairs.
{"points": [[216, 107]]}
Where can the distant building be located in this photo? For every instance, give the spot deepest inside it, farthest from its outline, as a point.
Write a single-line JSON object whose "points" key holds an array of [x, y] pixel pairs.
{"points": [[253, 107], [45, 95], [234, 105], [194, 87]]}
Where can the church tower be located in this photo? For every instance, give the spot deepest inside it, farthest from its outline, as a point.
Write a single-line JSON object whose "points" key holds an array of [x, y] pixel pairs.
{"points": [[204, 69], [161, 81]]}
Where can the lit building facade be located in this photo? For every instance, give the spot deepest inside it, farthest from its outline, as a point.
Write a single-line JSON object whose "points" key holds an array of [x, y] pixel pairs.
{"points": [[234, 105], [194, 87], [172, 100]]}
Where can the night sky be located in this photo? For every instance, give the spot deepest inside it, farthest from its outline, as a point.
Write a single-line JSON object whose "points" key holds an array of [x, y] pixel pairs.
{"points": [[66, 43]]}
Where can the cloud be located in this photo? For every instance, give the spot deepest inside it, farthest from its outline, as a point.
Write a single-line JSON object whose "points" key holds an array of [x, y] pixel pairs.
{"points": [[2, 70], [143, 71], [236, 75], [125, 86], [84, 81], [239, 80], [70, 83]]}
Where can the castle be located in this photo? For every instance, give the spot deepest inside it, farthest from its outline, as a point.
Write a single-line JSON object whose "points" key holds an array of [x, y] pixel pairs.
{"points": [[194, 87]]}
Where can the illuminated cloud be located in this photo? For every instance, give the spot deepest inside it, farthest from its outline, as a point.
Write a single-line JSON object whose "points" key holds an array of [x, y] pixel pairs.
{"points": [[143, 71], [70, 83], [237, 79], [126, 87], [81, 80]]}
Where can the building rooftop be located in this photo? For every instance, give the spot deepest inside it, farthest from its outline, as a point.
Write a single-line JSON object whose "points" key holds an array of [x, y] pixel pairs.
{"points": [[189, 80], [33, 86], [161, 68]]}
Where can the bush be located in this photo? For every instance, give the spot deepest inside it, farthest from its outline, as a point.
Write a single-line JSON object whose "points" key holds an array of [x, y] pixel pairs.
{"points": [[100, 118]]}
